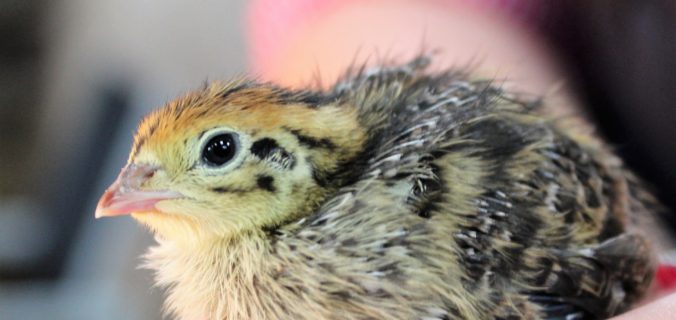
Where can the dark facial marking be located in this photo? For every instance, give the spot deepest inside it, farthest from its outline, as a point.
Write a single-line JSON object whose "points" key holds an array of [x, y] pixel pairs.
{"points": [[268, 149], [266, 183], [264, 147], [312, 142], [229, 190], [219, 190]]}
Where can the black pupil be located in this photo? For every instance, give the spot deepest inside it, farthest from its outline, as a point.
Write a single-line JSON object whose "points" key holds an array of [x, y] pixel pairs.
{"points": [[220, 149]]}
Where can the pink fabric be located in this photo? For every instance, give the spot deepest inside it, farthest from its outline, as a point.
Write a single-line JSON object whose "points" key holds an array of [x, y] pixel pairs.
{"points": [[269, 22]]}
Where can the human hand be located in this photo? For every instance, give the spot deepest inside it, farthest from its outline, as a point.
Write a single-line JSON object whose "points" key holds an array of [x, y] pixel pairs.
{"points": [[660, 309]]}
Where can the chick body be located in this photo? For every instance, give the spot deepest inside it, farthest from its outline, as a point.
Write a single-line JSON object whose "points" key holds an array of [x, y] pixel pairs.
{"points": [[412, 195]]}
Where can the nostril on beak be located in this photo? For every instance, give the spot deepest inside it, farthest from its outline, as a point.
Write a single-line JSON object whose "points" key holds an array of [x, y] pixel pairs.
{"points": [[136, 175], [127, 195]]}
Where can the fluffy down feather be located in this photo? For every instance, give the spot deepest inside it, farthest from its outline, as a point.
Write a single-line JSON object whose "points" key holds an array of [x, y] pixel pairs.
{"points": [[397, 194]]}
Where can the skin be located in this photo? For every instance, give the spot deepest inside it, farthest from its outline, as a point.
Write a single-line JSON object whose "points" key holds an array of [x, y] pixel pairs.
{"points": [[660, 309]]}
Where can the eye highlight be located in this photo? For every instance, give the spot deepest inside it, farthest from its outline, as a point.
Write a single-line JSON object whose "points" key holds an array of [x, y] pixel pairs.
{"points": [[220, 149]]}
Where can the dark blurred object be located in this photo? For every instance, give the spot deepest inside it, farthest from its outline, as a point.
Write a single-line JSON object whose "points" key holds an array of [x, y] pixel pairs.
{"points": [[622, 55], [63, 193], [21, 62], [40, 211], [21, 56]]}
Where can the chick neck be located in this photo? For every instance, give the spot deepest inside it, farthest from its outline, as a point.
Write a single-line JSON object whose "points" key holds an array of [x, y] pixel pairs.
{"points": [[212, 279]]}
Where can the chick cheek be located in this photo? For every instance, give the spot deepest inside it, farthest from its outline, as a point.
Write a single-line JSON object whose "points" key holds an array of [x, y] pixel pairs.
{"points": [[167, 206]]}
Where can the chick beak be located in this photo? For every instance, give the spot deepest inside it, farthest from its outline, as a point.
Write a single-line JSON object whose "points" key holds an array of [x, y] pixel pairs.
{"points": [[125, 196]]}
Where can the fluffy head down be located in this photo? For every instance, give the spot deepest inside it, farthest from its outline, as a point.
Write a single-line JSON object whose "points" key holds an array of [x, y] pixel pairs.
{"points": [[287, 153]]}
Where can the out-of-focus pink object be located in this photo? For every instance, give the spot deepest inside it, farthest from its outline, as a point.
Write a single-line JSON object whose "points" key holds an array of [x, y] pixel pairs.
{"points": [[666, 278], [272, 23]]}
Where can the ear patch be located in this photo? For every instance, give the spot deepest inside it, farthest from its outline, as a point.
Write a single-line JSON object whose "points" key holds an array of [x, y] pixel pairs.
{"points": [[313, 143], [269, 150], [264, 147]]}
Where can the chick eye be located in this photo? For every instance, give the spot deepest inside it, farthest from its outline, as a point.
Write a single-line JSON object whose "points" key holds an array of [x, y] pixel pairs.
{"points": [[220, 149]]}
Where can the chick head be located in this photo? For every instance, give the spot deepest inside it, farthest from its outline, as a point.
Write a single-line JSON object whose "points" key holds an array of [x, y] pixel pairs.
{"points": [[233, 158]]}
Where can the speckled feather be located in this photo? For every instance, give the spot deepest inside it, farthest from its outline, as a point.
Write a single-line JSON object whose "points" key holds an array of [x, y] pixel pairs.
{"points": [[457, 201]]}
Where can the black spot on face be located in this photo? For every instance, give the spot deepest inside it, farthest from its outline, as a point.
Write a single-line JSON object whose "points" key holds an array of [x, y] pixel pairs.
{"points": [[268, 149], [312, 142], [266, 183], [264, 147], [229, 190], [220, 190]]}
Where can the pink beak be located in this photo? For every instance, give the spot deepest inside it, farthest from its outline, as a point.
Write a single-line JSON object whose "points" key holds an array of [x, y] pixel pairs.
{"points": [[125, 196]]}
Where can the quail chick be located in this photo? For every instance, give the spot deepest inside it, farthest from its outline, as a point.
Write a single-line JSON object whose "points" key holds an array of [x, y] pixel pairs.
{"points": [[398, 194]]}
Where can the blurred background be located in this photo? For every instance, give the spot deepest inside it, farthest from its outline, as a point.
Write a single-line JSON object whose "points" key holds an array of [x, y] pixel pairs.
{"points": [[76, 76]]}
